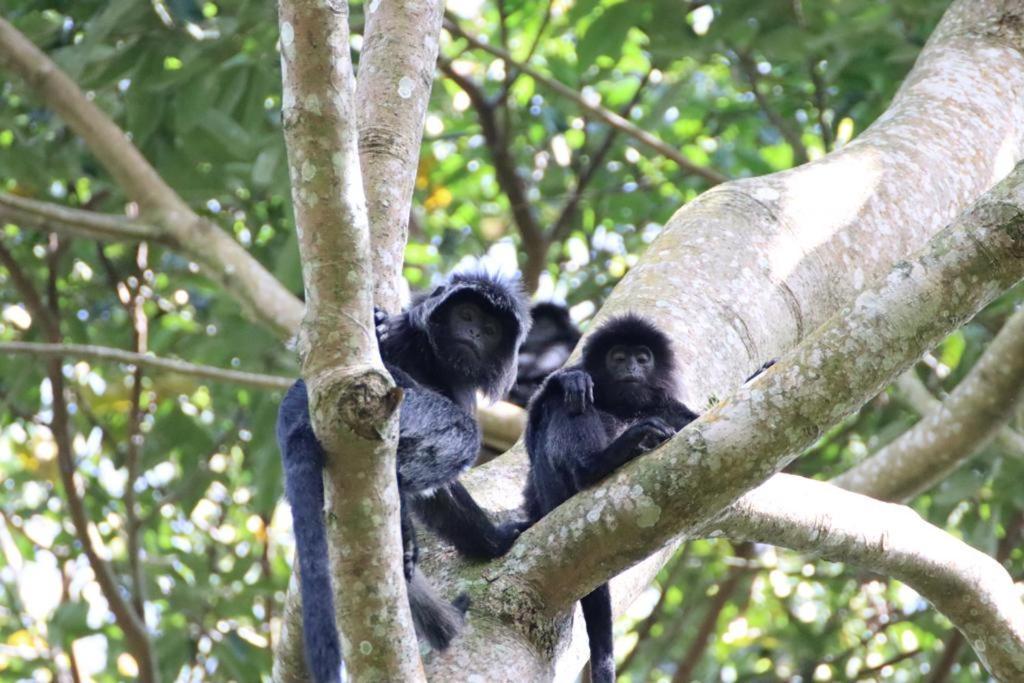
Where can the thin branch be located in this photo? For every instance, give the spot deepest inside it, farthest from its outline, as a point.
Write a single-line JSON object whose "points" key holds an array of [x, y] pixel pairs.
{"points": [[609, 117], [106, 353], [790, 132], [512, 71], [698, 644], [643, 629], [563, 224], [396, 72], [972, 415], [828, 138], [53, 217], [223, 259], [39, 311], [512, 184]]}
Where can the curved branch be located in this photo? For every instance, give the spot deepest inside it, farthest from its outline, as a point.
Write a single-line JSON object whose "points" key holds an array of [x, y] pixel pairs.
{"points": [[747, 270], [972, 415], [970, 588], [609, 117], [180, 367], [224, 260]]}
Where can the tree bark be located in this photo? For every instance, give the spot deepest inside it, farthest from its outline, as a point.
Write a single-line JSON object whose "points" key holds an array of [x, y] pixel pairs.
{"points": [[962, 426], [352, 400], [396, 72]]}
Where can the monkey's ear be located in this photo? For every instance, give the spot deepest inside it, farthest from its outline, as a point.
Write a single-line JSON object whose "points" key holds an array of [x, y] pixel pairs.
{"points": [[437, 292]]}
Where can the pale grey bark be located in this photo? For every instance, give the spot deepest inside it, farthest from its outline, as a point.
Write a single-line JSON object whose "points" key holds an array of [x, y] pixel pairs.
{"points": [[396, 72], [352, 400], [972, 415], [745, 438], [970, 588]]}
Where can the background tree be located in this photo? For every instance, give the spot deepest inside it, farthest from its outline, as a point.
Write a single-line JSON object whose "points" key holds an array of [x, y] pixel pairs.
{"points": [[140, 521]]}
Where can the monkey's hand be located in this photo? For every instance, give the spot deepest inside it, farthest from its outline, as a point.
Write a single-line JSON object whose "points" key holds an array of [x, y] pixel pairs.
{"points": [[648, 434], [409, 559], [578, 389], [380, 322], [508, 533]]}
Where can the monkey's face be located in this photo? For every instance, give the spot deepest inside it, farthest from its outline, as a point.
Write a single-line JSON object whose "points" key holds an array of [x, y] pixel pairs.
{"points": [[629, 376], [630, 365], [469, 335]]}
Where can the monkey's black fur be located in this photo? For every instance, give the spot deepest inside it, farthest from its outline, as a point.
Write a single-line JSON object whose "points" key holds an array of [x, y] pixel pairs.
{"points": [[584, 422], [425, 349], [549, 344]]}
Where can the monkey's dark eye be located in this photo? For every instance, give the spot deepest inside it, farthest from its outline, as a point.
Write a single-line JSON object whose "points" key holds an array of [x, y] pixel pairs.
{"points": [[490, 330], [643, 359], [465, 314]]}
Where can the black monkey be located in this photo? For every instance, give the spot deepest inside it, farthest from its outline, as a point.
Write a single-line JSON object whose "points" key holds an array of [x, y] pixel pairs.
{"points": [[459, 339], [587, 420], [552, 338]]}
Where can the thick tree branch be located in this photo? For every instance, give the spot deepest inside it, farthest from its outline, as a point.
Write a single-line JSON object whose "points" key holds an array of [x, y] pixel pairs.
{"points": [[396, 72], [745, 271], [821, 381], [970, 588], [917, 397], [223, 259], [609, 117], [352, 400], [972, 415], [180, 367]]}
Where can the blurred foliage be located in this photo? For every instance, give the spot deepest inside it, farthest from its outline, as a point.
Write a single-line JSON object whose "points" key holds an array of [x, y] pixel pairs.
{"points": [[197, 86]]}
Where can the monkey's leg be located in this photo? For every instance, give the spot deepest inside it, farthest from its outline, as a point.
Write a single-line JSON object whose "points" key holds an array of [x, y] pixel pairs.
{"points": [[597, 613]]}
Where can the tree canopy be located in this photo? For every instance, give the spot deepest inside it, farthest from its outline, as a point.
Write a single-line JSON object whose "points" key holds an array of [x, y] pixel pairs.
{"points": [[141, 504]]}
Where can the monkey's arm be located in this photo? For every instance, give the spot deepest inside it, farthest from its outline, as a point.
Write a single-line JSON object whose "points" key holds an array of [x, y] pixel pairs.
{"points": [[677, 415], [644, 436], [452, 514]]}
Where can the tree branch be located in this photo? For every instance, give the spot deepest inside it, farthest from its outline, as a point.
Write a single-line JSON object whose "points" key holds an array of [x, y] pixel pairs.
{"points": [[967, 586], [396, 72], [745, 271], [352, 401], [563, 224], [180, 367], [534, 242], [785, 127], [609, 117], [809, 390], [966, 422], [222, 258], [53, 217], [917, 397]]}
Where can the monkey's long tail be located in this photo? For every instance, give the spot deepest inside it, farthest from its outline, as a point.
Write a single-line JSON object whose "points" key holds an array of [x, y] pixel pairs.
{"points": [[435, 619], [304, 487]]}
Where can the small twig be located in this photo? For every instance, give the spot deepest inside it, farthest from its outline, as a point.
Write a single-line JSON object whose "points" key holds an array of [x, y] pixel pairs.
{"points": [[788, 131], [105, 353], [559, 231], [609, 117], [53, 217]]}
